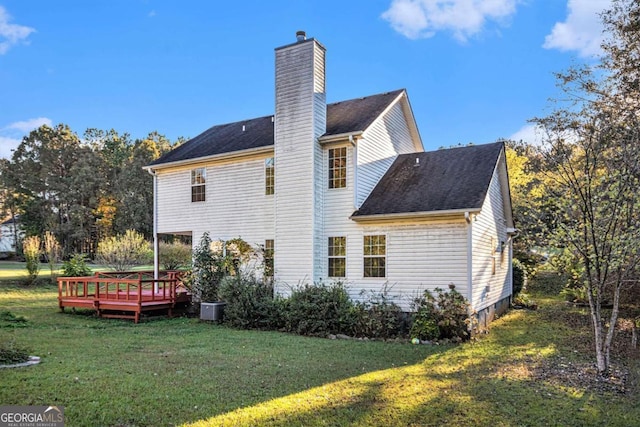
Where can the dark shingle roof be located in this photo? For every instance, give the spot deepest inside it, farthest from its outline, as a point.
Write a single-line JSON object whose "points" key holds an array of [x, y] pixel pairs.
{"points": [[456, 178], [342, 117], [357, 114]]}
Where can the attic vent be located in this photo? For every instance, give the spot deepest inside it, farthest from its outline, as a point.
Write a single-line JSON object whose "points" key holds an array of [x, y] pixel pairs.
{"points": [[242, 128], [301, 36], [417, 161]]}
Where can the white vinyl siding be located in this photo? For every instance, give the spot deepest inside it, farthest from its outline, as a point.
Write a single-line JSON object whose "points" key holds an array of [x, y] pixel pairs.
{"points": [[490, 273], [379, 147], [230, 210], [300, 119], [419, 257]]}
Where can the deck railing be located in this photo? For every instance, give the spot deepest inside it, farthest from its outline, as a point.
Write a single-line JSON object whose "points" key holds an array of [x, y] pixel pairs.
{"points": [[122, 291]]}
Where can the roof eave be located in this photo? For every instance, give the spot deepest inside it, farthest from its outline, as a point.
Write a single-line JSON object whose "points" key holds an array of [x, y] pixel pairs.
{"points": [[413, 215], [345, 136], [222, 156]]}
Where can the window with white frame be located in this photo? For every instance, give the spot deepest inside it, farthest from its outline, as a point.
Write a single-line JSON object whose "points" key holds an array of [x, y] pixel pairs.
{"points": [[337, 256], [338, 167], [198, 184], [269, 176], [375, 255]]}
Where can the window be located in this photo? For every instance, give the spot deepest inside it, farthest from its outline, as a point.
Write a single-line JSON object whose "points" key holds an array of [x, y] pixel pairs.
{"points": [[337, 256], [338, 167], [269, 176], [268, 257], [198, 179], [375, 251]]}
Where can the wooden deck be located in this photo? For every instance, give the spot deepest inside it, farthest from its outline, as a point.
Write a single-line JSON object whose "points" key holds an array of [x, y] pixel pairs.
{"points": [[124, 295]]}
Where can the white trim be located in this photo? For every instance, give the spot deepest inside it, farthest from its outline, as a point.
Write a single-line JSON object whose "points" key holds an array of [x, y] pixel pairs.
{"points": [[410, 215], [346, 136], [469, 219], [223, 156]]}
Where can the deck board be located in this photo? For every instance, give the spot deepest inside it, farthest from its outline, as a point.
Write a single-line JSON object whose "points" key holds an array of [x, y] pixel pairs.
{"points": [[123, 295]]}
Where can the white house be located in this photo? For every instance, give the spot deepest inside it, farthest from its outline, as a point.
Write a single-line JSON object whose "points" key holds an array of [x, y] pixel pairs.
{"points": [[9, 230], [345, 192]]}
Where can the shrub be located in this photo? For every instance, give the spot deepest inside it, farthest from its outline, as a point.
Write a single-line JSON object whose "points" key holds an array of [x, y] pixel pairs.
{"points": [[124, 251], [377, 317], [76, 266], [318, 310], [207, 271], [445, 316], [519, 277], [523, 300], [425, 318], [454, 322], [9, 354], [51, 250], [250, 303], [174, 256], [31, 250]]}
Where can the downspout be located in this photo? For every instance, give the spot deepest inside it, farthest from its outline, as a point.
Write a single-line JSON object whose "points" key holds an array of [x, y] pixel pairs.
{"points": [[156, 243], [355, 172], [469, 219], [512, 233]]}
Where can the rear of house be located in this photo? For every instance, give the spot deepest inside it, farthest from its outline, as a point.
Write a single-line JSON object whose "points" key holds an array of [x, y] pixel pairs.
{"points": [[345, 192]]}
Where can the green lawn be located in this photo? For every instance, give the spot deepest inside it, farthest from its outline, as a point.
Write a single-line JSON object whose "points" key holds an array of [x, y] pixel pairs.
{"points": [[181, 371]]}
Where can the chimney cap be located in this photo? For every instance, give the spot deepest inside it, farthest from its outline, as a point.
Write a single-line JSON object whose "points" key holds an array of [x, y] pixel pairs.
{"points": [[301, 36]]}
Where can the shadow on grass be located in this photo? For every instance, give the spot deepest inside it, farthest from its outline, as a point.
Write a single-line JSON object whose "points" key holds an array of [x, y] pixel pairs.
{"points": [[111, 372], [494, 381]]}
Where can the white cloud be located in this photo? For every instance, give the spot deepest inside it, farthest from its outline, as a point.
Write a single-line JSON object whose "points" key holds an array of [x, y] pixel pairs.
{"points": [[7, 145], [530, 133], [28, 125], [11, 34], [11, 135], [581, 31], [464, 18]]}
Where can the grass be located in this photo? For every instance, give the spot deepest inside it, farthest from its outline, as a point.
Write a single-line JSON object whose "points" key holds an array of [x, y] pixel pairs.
{"points": [[17, 271], [184, 372]]}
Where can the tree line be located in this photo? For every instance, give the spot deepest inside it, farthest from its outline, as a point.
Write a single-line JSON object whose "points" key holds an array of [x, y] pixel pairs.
{"points": [[577, 193], [82, 190]]}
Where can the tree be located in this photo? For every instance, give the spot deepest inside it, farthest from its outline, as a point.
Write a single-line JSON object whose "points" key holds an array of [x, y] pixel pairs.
{"points": [[31, 250], [122, 252], [592, 152], [52, 251], [135, 186], [530, 203], [53, 177]]}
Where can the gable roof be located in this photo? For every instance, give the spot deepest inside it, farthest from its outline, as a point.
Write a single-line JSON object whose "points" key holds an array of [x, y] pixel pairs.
{"points": [[443, 180], [342, 117]]}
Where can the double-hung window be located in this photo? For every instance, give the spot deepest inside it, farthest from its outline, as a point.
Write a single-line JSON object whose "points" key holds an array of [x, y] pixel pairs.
{"points": [[375, 256], [338, 167], [269, 176], [337, 256], [198, 181]]}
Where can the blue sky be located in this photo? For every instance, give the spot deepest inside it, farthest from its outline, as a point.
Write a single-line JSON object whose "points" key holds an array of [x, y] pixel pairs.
{"points": [[475, 70]]}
